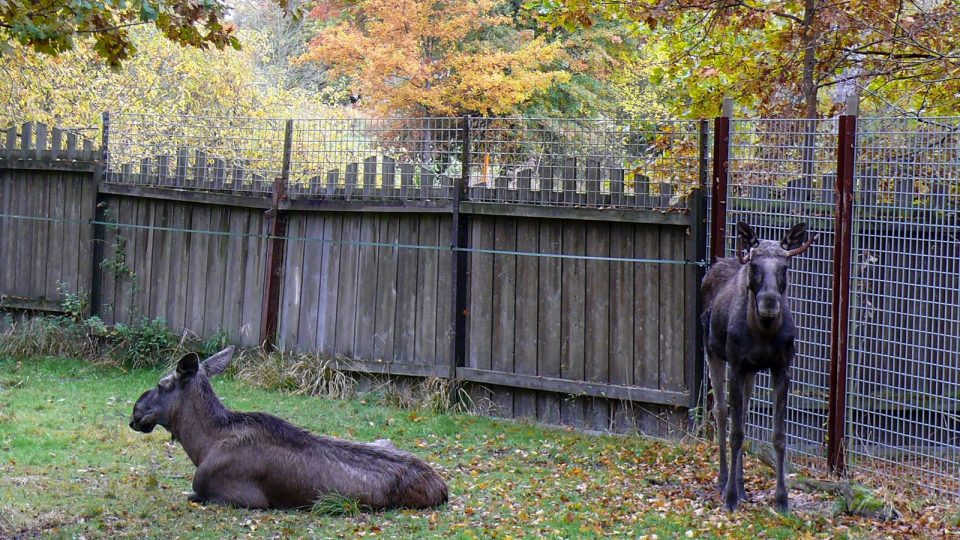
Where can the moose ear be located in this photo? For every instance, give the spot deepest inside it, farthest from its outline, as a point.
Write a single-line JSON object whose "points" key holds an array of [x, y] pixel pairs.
{"points": [[218, 362], [795, 237], [188, 366], [747, 235]]}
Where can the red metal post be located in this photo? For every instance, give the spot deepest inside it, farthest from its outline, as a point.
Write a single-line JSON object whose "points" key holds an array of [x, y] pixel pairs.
{"points": [[843, 248], [718, 184], [276, 248]]}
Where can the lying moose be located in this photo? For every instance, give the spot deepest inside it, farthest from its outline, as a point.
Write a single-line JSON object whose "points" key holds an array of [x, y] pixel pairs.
{"points": [[749, 328], [256, 460]]}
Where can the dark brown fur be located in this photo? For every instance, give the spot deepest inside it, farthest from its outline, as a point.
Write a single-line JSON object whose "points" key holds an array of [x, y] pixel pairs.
{"points": [[256, 460]]}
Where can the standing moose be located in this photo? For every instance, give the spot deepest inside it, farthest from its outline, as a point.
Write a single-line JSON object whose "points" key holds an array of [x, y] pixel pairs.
{"points": [[749, 328], [255, 460]]}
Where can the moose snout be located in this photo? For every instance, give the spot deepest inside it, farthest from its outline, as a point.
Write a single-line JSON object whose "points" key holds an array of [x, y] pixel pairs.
{"points": [[143, 425], [768, 305], [142, 419]]}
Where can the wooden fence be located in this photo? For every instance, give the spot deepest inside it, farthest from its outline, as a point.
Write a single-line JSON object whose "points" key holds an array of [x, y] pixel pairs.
{"points": [[581, 316]]}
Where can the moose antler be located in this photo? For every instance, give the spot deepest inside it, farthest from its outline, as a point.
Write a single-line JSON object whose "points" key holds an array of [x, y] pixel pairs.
{"points": [[803, 247]]}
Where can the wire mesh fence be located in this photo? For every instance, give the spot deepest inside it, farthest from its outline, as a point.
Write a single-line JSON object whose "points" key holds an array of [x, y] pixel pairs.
{"points": [[903, 386], [782, 172], [557, 162], [376, 159], [211, 153], [584, 162]]}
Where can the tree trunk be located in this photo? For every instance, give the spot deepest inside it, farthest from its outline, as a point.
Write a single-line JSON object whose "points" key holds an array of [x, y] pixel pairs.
{"points": [[808, 42]]}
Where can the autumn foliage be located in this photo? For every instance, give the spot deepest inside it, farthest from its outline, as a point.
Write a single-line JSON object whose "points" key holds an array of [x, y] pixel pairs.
{"points": [[420, 58]]}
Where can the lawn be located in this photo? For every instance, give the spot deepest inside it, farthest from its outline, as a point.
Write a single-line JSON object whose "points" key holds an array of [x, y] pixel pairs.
{"points": [[71, 467]]}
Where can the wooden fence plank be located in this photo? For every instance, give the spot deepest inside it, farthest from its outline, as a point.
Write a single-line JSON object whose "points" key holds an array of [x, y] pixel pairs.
{"points": [[647, 308], [480, 320], [235, 270], [80, 257], [597, 320], [366, 281], [25, 241], [347, 297], [160, 278], [180, 218], [548, 317], [504, 308], [329, 291], [671, 313], [387, 271], [646, 368], [57, 242], [13, 192], [527, 303], [444, 328], [218, 273], [369, 177], [124, 254], [107, 274], [6, 253], [427, 270], [140, 289], [572, 355], [292, 283], [199, 250], [255, 249], [622, 307], [312, 279], [407, 288]]}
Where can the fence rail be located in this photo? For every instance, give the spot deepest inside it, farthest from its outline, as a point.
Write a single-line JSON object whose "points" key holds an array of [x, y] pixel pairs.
{"points": [[534, 257]]}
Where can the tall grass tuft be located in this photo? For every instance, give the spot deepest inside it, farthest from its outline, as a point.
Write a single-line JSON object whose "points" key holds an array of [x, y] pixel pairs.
{"points": [[295, 373], [49, 336], [144, 344], [337, 505]]}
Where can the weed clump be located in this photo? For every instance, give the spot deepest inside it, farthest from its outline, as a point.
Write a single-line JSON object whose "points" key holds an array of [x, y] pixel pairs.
{"points": [[76, 334]]}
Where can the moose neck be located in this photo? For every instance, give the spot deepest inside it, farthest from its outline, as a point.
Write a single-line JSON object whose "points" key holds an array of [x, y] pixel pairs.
{"points": [[198, 426]]}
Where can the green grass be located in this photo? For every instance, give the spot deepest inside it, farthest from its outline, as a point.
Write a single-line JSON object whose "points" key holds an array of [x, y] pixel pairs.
{"points": [[72, 467]]}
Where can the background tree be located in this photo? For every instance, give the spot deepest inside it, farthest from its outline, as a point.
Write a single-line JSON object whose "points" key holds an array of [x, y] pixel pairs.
{"points": [[786, 56], [74, 88], [53, 26], [433, 58]]}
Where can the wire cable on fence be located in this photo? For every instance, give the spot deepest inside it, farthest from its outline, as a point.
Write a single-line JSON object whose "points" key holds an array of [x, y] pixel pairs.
{"points": [[359, 243]]}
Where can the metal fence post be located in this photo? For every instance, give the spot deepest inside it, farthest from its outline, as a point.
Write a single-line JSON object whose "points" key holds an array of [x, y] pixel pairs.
{"points": [[276, 247], [99, 216], [843, 248], [721, 168], [460, 238]]}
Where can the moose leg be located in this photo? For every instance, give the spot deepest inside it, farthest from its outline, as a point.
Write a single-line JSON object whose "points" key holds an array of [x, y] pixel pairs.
{"points": [[217, 481], [748, 380], [731, 495], [718, 377], [239, 493], [781, 387]]}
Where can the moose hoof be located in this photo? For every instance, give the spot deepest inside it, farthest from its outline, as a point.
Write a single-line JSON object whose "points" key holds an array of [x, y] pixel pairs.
{"points": [[731, 501], [780, 503]]}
